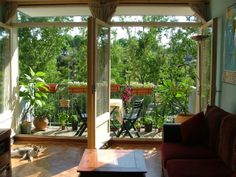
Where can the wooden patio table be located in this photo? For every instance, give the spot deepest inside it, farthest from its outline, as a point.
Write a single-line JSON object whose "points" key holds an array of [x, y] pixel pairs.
{"points": [[112, 163]]}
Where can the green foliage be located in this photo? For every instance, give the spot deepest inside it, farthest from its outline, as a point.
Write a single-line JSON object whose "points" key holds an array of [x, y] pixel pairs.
{"points": [[141, 57], [148, 120], [63, 91], [77, 83], [46, 111], [174, 96], [73, 118], [30, 90], [63, 117], [144, 85]]}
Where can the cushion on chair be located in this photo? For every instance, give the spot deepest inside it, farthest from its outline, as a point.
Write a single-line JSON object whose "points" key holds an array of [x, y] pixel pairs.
{"points": [[193, 130], [197, 168], [214, 115], [226, 140], [180, 151]]}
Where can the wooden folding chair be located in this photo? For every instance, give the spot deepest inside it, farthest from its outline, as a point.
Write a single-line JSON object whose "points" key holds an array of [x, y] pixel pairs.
{"points": [[130, 119], [83, 118]]}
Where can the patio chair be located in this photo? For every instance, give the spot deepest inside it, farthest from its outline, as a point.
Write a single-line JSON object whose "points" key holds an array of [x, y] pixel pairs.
{"points": [[130, 119], [114, 122], [83, 118]]}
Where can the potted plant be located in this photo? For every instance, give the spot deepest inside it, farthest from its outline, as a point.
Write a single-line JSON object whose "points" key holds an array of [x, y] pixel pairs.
{"points": [[138, 125], [52, 87], [30, 94], [63, 92], [148, 123], [173, 97], [42, 116], [126, 96], [63, 118], [160, 122], [142, 89], [77, 87], [74, 122]]}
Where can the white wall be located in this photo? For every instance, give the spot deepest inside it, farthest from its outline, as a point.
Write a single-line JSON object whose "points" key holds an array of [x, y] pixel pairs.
{"points": [[226, 93]]}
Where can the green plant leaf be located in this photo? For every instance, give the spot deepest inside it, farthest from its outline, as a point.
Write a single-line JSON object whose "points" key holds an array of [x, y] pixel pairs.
{"points": [[40, 74]]}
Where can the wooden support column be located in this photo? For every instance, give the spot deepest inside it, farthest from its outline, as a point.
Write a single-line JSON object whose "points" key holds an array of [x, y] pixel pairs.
{"points": [[200, 10], [10, 11], [199, 39]]}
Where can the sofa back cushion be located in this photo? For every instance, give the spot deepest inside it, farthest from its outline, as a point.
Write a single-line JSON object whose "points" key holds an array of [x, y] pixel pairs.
{"points": [[193, 130], [214, 115], [226, 140], [234, 157]]}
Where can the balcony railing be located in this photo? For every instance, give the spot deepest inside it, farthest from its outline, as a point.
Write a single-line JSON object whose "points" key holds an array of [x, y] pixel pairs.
{"points": [[78, 94]]}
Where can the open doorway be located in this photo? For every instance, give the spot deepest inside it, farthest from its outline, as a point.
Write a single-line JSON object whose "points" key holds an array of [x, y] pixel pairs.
{"points": [[146, 56]]}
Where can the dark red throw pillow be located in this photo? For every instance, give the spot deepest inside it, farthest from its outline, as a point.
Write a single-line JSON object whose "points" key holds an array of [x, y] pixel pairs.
{"points": [[193, 130]]}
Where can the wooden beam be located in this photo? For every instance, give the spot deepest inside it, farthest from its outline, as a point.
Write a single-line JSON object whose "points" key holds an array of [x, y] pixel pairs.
{"points": [[5, 25], [155, 24], [112, 24], [80, 2], [162, 1], [10, 11], [2, 2], [200, 11], [49, 24], [48, 2]]}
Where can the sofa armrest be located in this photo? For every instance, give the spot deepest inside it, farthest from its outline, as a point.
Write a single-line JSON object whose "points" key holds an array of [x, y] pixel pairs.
{"points": [[171, 133]]}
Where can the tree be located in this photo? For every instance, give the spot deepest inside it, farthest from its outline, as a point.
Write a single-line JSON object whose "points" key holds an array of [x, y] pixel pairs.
{"points": [[39, 49]]}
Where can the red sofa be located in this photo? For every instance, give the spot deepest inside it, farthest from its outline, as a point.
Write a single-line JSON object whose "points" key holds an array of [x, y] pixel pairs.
{"points": [[203, 146]]}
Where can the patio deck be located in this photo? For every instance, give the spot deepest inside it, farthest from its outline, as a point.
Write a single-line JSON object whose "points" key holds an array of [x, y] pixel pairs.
{"points": [[68, 132]]}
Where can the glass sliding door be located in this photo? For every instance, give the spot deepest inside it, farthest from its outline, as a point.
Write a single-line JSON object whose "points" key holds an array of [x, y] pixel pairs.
{"points": [[4, 57], [98, 83], [208, 65]]}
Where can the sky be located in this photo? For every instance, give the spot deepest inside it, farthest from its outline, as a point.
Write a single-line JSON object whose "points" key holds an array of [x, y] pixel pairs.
{"points": [[121, 33]]}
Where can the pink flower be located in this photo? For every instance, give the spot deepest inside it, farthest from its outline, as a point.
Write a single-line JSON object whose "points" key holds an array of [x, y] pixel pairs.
{"points": [[126, 95]]}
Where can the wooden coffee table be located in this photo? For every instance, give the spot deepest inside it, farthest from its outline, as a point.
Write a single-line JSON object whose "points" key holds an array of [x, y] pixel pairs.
{"points": [[111, 162]]}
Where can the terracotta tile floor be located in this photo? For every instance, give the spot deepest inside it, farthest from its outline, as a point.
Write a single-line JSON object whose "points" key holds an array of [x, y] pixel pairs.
{"points": [[61, 160]]}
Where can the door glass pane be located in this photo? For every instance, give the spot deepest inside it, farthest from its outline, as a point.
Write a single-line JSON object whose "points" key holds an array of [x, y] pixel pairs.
{"points": [[102, 71], [206, 65], [4, 54]]}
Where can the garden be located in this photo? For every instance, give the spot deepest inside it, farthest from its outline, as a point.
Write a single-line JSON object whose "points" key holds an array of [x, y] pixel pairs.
{"points": [[55, 76]]}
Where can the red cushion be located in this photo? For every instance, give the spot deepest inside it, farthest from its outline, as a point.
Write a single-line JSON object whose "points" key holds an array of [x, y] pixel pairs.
{"points": [[180, 151], [234, 175], [214, 115], [197, 168], [234, 156], [226, 139], [193, 130]]}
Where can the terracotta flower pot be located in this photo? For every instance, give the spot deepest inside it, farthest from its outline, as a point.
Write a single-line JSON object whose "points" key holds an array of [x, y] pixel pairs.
{"points": [[115, 87], [142, 90], [52, 88], [64, 103], [77, 89], [41, 123], [183, 117]]}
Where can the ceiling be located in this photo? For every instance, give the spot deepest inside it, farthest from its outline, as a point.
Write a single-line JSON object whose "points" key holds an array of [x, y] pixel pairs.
{"points": [[53, 2], [68, 10]]}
